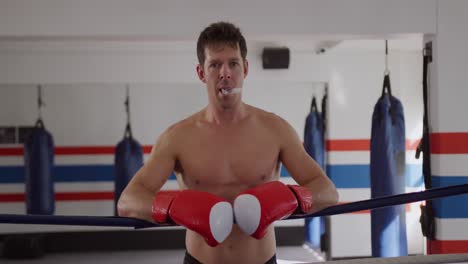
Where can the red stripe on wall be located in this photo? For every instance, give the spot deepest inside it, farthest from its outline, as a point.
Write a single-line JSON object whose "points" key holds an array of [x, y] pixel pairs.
{"points": [[11, 152], [361, 144], [407, 206], [71, 150], [331, 144], [85, 150], [62, 196], [84, 196], [449, 143], [11, 197], [447, 246], [348, 144], [147, 149], [412, 144]]}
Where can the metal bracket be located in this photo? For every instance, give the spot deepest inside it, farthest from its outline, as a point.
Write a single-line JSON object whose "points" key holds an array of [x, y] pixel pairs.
{"points": [[427, 51]]}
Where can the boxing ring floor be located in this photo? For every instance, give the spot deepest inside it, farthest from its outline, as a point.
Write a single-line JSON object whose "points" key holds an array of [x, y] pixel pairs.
{"points": [[286, 255]]}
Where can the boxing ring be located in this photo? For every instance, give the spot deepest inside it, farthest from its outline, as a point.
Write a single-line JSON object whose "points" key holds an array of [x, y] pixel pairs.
{"points": [[430, 259], [115, 221], [431, 194]]}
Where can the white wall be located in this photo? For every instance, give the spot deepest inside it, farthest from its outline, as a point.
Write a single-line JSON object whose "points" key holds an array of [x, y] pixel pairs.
{"points": [[132, 62], [179, 19], [450, 57], [87, 80], [356, 79], [449, 129]]}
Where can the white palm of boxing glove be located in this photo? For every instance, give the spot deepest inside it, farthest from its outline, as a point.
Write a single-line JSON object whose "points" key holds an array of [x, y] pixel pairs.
{"points": [[202, 212], [256, 208]]}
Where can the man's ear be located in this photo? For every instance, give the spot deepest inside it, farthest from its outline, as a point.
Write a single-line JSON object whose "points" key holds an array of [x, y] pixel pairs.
{"points": [[201, 73], [246, 68]]}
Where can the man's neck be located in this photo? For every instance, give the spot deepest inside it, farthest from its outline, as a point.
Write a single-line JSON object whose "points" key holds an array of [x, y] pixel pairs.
{"points": [[226, 116]]}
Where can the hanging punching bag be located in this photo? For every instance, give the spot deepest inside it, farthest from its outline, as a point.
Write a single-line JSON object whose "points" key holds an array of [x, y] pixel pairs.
{"points": [[427, 218], [38, 166], [128, 160], [325, 238], [314, 145], [388, 225]]}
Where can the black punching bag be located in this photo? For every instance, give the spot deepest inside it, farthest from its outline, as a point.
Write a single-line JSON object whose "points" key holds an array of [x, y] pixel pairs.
{"points": [[388, 225], [128, 160], [38, 167], [315, 146]]}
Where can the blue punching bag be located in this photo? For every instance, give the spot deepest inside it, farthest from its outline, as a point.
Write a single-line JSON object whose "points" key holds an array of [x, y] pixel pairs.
{"points": [[315, 147], [128, 160], [38, 165], [388, 225]]}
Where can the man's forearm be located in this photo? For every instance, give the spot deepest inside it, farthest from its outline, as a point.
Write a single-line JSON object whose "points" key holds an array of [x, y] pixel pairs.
{"points": [[324, 193], [135, 203]]}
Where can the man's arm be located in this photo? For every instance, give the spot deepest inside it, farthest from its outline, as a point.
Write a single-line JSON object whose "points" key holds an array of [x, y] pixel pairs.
{"points": [[137, 198], [304, 170]]}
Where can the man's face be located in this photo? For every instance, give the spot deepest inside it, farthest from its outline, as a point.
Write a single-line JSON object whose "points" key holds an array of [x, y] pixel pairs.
{"points": [[222, 71]]}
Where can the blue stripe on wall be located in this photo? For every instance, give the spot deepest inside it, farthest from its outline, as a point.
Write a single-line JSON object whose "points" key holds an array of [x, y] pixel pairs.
{"points": [[65, 173], [284, 172], [344, 176], [349, 176], [11, 174], [414, 175], [453, 206], [358, 176], [88, 173]]}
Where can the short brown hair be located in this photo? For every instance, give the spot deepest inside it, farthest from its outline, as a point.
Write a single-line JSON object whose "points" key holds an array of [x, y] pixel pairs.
{"points": [[220, 33]]}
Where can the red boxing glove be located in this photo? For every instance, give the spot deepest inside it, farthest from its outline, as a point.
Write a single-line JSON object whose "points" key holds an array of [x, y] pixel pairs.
{"points": [[256, 208], [202, 212]]}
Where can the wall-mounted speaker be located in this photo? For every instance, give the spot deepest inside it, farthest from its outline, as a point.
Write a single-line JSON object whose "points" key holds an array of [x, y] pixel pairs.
{"points": [[275, 58]]}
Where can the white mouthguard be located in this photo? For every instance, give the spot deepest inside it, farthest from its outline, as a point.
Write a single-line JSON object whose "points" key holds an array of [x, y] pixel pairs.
{"points": [[231, 91]]}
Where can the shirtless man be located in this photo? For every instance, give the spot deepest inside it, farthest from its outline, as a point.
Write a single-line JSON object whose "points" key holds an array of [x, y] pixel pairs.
{"points": [[222, 151]]}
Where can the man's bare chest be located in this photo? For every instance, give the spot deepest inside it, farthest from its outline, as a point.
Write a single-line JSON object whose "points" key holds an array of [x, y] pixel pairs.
{"points": [[241, 158]]}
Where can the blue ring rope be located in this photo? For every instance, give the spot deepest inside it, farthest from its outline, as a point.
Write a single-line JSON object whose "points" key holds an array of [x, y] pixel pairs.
{"points": [[391, 200]]}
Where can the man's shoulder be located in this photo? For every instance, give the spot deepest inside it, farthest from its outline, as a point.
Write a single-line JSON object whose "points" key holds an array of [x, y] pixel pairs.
{"points": [[268, 118], [182, 126], [274, 123]]}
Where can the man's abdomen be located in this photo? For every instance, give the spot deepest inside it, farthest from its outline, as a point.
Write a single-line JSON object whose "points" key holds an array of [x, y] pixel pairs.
{"points": [[237, 248]]}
